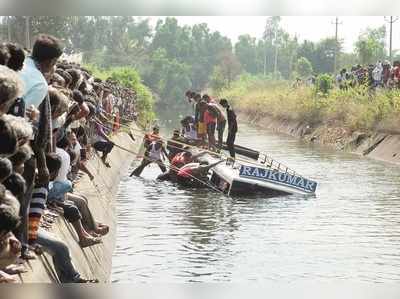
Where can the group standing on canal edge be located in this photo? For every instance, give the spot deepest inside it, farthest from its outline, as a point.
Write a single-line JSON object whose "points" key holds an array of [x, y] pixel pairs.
{"points": [[53, 116], [197, 130]]}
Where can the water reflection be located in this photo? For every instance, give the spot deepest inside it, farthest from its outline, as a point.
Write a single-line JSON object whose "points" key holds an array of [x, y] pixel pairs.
{"points": [[350, 231]]}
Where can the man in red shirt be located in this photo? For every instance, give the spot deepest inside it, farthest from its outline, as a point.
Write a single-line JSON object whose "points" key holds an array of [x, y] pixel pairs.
{"points": [[194, 175], [177, 162]]}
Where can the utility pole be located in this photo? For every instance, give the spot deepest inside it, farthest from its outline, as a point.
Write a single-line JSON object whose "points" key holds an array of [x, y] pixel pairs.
{"points": [[27, 33], [391, 20], [265, 58], [9, 28], [265, 50], [336, 54], [276, 56]]}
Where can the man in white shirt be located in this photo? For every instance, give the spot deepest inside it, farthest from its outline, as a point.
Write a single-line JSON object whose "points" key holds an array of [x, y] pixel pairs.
{"points": [[45, 53], [61, 185]]}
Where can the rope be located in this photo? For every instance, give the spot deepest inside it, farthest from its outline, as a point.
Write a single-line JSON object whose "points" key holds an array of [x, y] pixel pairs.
{"points": [[220, 155], [172, 167]]}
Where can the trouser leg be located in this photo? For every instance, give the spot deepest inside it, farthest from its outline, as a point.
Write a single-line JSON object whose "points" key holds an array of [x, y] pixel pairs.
{"points": [[162, 166], [61, 256], [29, 176], [138, 170], [220, 129], [211, 135], [230, 142], [88, 221]]}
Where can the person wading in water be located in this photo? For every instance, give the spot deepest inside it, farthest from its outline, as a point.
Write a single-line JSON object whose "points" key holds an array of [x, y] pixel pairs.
{"points": [[154, 152], [232, 127]]}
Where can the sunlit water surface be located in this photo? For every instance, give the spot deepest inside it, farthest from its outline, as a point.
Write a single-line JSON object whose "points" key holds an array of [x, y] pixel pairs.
{"points": [[349, 231]]}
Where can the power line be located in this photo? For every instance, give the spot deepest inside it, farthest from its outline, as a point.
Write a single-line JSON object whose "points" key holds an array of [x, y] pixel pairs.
{"points": [[391, 20]]}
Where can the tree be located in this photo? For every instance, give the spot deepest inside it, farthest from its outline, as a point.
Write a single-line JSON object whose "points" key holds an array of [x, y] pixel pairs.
{"points": [[226, 71], [370, 45], [303, 67], [246, 52]]}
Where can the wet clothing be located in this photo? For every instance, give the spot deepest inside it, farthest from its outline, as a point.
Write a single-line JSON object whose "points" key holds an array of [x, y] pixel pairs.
{"points": [[153, 154], [146, 162], [174, 148], [220, 129], [232, 130], [211, 122], [185, 177], [180, 159]]}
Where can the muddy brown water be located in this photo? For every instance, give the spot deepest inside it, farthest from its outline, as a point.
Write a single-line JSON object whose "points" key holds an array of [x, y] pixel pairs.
{"points": [[350, 231]]}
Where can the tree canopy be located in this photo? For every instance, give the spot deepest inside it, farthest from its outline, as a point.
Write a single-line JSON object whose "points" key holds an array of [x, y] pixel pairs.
{"points": [[171, 58]]}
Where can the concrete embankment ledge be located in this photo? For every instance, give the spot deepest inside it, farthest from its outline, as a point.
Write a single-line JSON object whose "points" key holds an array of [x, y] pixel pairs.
{"points": [[94, 261], [376, 145]]}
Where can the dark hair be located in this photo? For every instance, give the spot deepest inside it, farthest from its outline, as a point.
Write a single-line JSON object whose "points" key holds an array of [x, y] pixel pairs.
{"points": [[4, 55], [9, 211], [67, 77], [189, 93], [223, 102], [92, 109], [46, 47], [206, 97], [16, 184], [5, 168], [21, 156], [77, 96], [17, 57], [53, 162], [63, 142], [75, 76], [8, 137]]}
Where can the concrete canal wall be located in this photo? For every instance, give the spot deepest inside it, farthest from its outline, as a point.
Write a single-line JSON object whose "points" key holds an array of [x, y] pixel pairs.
{"points": [[95, 261], [376, 145]]}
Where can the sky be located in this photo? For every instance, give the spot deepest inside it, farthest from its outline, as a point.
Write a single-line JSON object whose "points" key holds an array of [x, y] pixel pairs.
{"points": [[311, 28]]}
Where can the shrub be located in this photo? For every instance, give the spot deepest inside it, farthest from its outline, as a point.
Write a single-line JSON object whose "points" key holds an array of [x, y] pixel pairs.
{"points": [[323, 84]]}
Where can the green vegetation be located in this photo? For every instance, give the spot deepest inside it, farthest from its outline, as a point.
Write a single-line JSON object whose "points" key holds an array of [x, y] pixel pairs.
{"points": [[129, 77], [172, 59], [356, 109]]}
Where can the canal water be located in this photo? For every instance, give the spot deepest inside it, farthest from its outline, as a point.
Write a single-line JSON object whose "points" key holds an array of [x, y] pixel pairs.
{"points": [[350, 231]]}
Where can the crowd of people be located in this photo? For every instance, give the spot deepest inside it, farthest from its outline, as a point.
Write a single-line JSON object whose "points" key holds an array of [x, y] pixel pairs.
{"points": [[379, 75], [53, 116], [197, 130]]}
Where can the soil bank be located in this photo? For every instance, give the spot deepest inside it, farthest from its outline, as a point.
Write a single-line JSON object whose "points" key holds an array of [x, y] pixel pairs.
{"points": [[377, 145]]}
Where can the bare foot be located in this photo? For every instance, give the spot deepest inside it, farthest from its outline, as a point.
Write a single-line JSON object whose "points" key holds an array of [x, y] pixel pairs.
{"points": [[15, 269], [6, 278]]}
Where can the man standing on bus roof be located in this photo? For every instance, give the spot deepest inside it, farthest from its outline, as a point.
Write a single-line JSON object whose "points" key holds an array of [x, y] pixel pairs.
{"points": [[232, 126]]}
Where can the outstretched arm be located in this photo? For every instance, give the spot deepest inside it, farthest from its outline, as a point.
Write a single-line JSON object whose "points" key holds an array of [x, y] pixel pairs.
{"points": [[194, 157], [204, 169]]}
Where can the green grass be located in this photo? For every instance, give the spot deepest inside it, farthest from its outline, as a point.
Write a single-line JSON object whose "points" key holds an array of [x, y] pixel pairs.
{"points": [[357, 108]]}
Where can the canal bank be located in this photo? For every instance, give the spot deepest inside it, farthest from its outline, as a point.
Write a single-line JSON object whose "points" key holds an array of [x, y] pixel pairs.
{"points": [[94, 261], [376, 145]]}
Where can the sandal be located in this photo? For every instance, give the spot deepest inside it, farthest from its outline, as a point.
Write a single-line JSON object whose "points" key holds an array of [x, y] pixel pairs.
{"points": [[89, 242], [102, 229], [83, 280]]}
